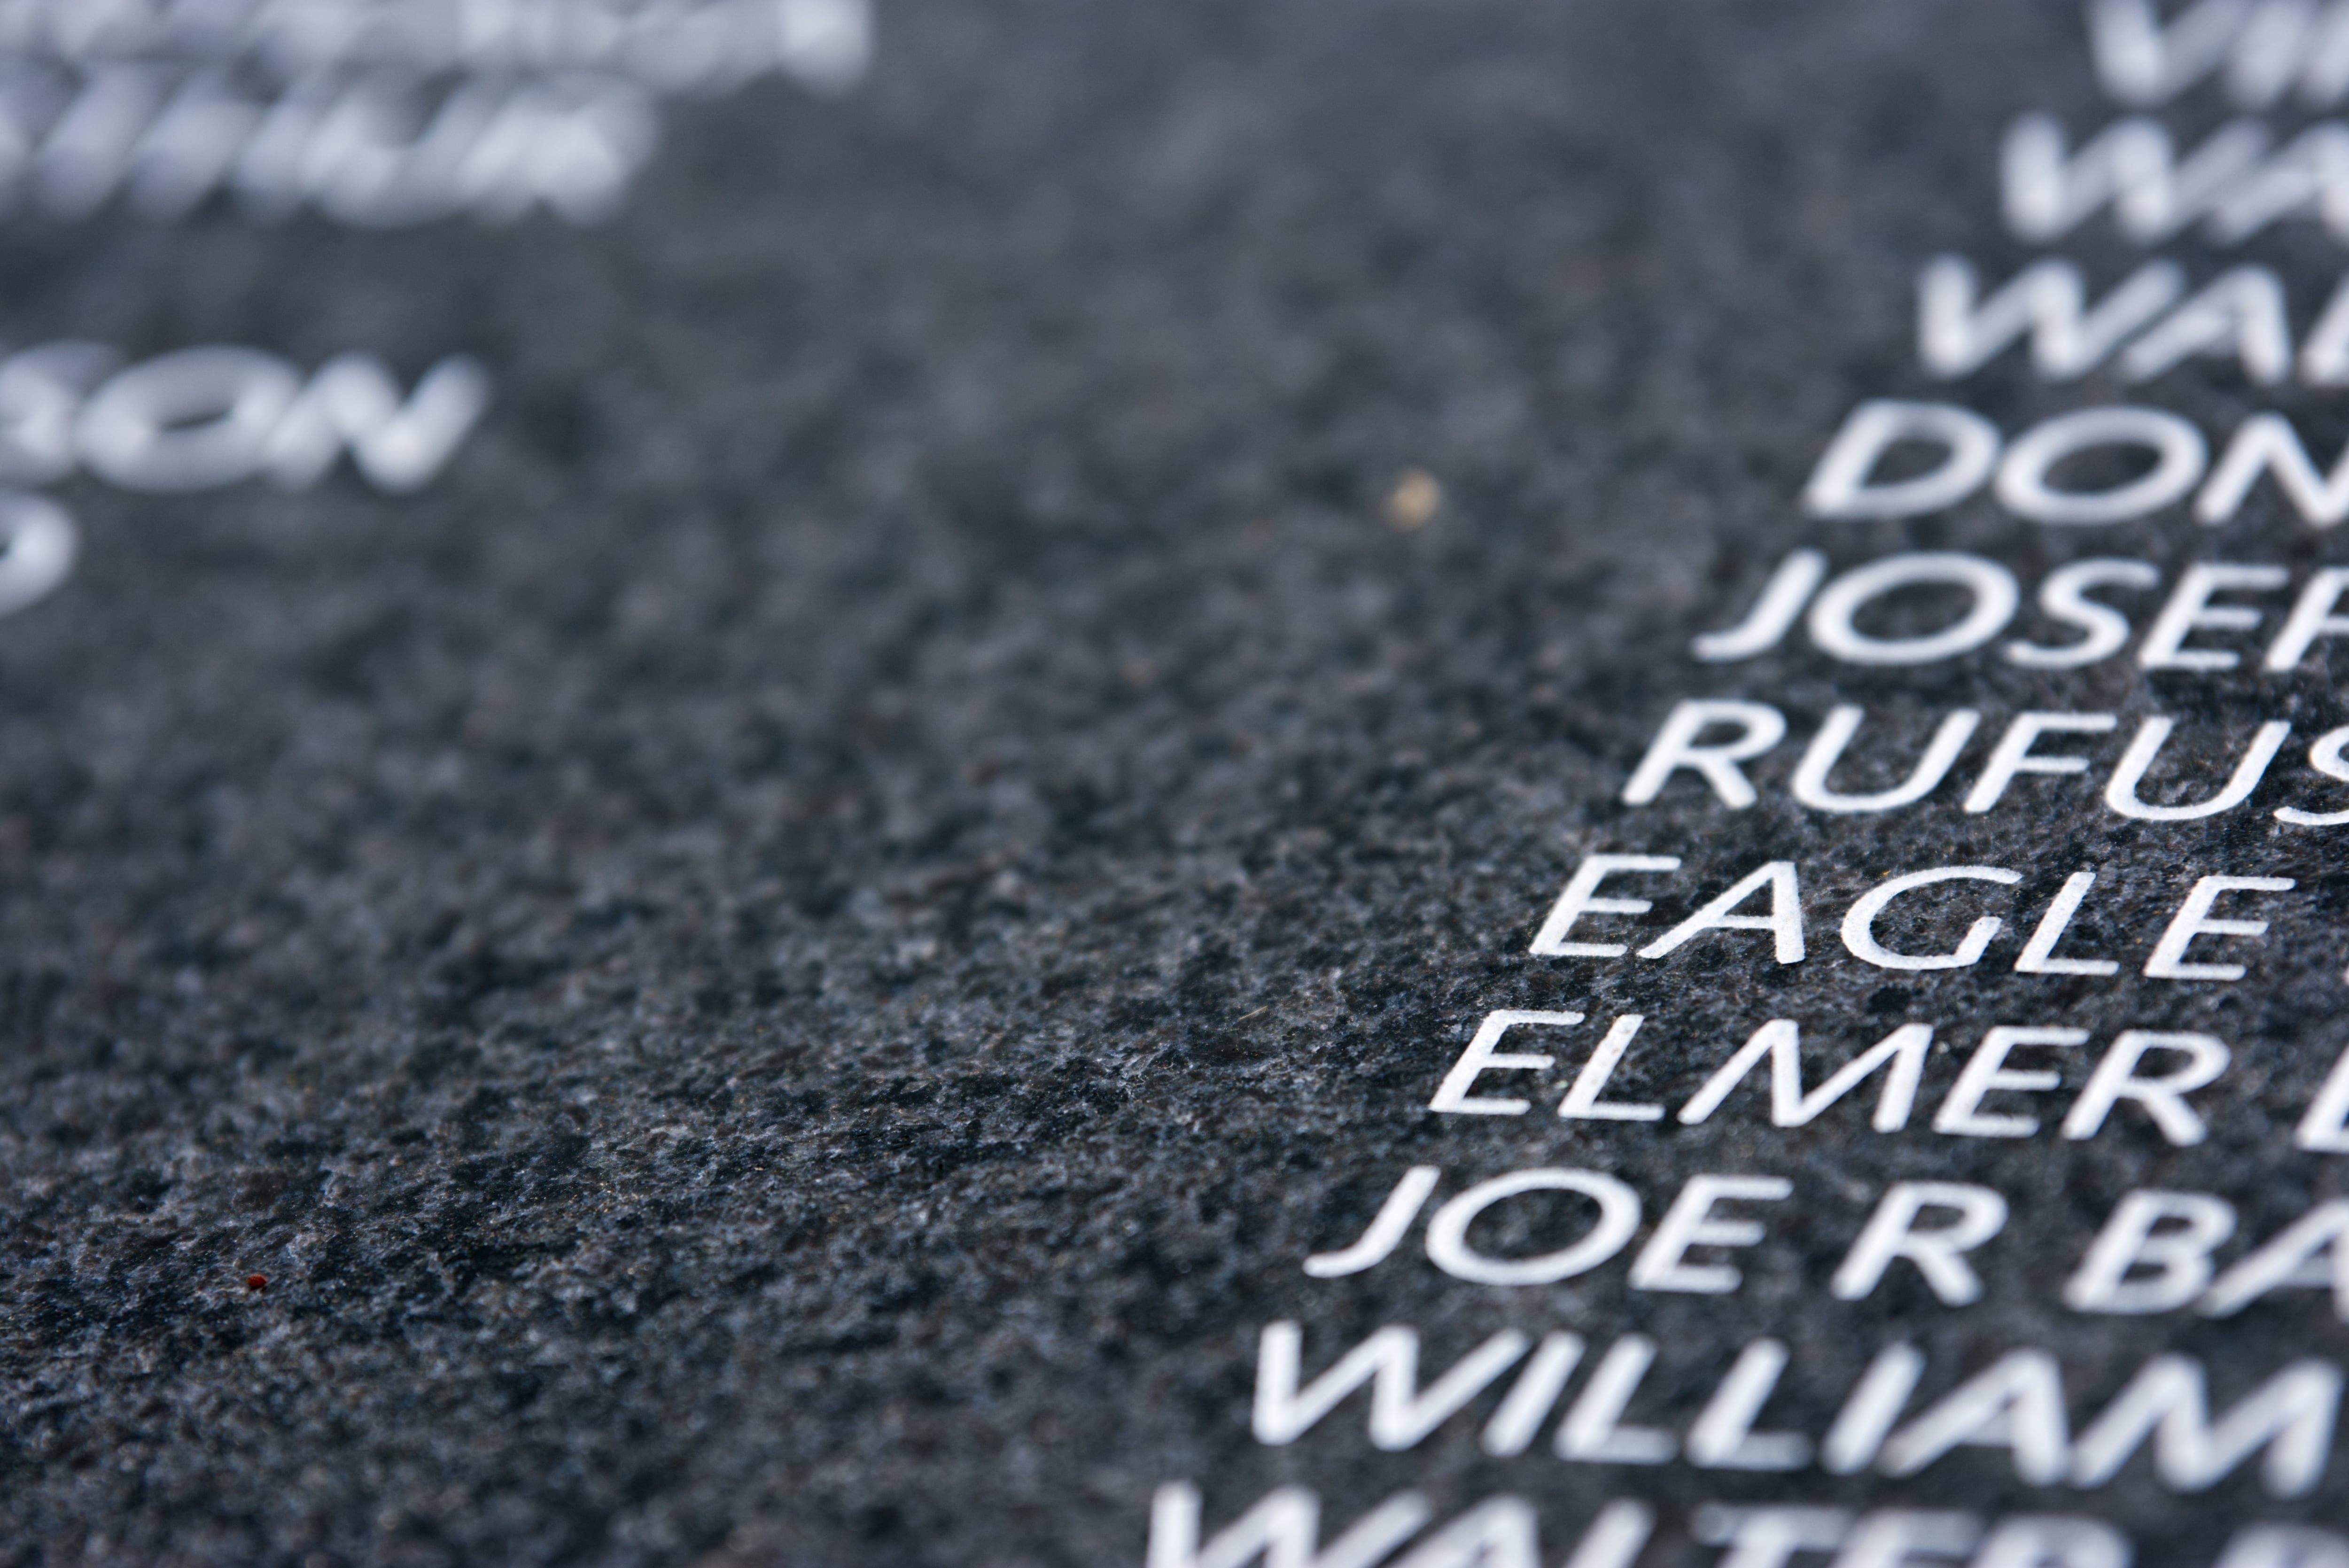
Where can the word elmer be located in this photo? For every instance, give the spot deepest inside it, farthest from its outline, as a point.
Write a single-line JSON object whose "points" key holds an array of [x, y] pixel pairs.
{"points": [[2154, 1071]]}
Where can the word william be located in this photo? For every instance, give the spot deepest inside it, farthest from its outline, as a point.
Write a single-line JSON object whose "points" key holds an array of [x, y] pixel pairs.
{"points": [[2018, 1404]]}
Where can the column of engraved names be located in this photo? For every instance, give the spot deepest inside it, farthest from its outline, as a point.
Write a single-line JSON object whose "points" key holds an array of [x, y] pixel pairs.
{"points": [[2168, 574]]}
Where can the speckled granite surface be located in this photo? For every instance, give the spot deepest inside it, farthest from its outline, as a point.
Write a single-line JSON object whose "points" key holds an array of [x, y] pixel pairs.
{"points": [[782, 966]]}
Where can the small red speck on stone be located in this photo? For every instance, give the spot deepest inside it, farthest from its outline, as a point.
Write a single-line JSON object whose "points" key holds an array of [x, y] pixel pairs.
{"points": [[256, 1282]]}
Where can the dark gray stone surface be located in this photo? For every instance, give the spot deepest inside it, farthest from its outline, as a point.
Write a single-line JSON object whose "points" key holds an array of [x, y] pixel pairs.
{"points": [[783, 966]]}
